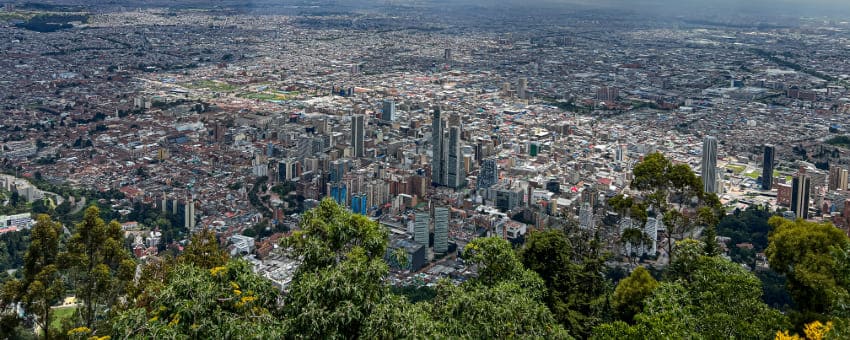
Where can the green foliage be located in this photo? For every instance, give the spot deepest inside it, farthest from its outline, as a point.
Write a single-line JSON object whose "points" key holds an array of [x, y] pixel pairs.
{"points": [[775, 294], [649, 174], [204, 251], [12, 203], [708, 297], [689, 251], [572, 273], [329, 231], [630, 293], [339, 292], [808, 254], [339, 281], [98, 264], [709, 233], [670, 188], [496, 261], [494, 312], [728, 299], [395, 318], [415, 294], [61, 314], [283, 189], [334, 302], [228, 302], [13, 247], [42, 284], [748, 226], [842, 141]]}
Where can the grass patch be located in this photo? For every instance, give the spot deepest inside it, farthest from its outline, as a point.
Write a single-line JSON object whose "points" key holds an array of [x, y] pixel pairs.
{"points": [[736, 168], [268, 95], [841, 141], [60, 314], [5, 16], [212, 85], [753, 175]]}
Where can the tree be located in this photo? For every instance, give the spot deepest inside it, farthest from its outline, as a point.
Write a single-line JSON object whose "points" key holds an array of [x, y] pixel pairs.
{"points": [[748, 226], [42, 285], [572, 272], [339, 281], [636, 238], [41, 206], [630, 293], [506, 299], [689, 251], [808, 254], [493, 312], [335, 302], [675, 193], [711, 298], [228, 301], [204, 251], [383, 322], [728, 298], [495, 258], [98, 264], [709, 219], [329, 231]]}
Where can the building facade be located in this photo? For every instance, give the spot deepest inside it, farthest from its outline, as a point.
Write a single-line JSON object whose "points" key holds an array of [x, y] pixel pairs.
{"points": [[709, 164]]}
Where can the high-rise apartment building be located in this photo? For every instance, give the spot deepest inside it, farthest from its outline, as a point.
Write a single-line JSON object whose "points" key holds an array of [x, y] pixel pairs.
{"points": [[607, 93], [800, 188], [438, 162], [358, 133], [455, 174], [522, 88], [421, 227], [709, 164], [767, 167], [586, 218], [489, 173], [837, 178], [441, 230], [388, 111]]}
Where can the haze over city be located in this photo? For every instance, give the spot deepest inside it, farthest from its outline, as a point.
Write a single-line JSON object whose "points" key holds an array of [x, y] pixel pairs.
{"points": [[562, 169]]}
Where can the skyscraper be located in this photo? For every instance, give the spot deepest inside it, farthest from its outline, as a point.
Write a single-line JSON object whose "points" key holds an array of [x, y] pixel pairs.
{"points": [[837, 178], [388, 111], [441, 230], [767, 167], [438, 162], [800, 194], [709, 164], [420, 228], [522, 88], [620, 153], [489, 174], [189, 217], [456, 174], [357, 134], [607, 93], [586, 220]]}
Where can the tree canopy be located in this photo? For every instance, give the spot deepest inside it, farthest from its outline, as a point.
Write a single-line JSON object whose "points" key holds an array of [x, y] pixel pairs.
{"points": [[813, 257], [710, 298], [572, 273]]}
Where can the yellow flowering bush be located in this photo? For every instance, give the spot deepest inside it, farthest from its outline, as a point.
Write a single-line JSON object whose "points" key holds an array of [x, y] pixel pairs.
{"points": [[814, 331], [217, 270]]}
